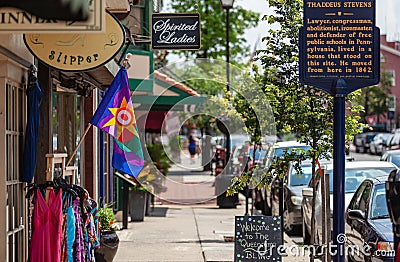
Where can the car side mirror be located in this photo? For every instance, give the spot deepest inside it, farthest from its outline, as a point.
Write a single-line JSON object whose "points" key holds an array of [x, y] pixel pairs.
{"points": [[356, 214], [307, 192]]}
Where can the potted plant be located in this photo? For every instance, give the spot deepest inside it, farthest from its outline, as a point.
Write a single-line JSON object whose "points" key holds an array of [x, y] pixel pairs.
{"points": [[109, 240], [175, 148], [159, 157], [138, 202]]}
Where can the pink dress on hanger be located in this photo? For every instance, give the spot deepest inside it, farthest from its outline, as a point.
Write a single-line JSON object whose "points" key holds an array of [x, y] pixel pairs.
{"points": [[47, 228]]}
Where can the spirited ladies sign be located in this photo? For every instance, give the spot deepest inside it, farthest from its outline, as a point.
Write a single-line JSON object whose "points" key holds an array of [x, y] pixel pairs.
{"points": [[175, 31]]}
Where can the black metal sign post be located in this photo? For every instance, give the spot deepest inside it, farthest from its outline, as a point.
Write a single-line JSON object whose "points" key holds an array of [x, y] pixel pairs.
{"points": [[339, 53]]}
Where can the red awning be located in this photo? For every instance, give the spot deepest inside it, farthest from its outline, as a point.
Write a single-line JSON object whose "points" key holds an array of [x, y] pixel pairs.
{"points": [[152, 121]]}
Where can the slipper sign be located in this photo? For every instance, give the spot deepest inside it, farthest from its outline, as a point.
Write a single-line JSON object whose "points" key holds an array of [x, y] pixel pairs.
{"points": [[78, 52]]}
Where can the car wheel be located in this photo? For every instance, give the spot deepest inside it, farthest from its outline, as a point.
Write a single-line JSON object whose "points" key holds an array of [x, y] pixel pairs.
{"points": [[357, 149], [306, 234], [266, 209], [348, 258], [286, 225], [372, 152], [274, 208]]}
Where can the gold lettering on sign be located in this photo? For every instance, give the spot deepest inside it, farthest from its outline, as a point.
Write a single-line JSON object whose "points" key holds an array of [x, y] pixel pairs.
{"points": [[339, 44], [315, 4], [323, 4]]}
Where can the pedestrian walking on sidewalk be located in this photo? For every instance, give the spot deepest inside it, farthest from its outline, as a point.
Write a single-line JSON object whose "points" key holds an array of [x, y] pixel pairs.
{"points": [[192, 148]]}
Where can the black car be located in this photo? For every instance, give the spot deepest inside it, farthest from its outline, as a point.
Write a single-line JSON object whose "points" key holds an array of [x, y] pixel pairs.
{"points": [[293, 184], [368, 223]]}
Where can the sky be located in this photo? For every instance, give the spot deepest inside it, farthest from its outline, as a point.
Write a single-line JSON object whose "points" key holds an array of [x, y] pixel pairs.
{"points": [[387, 18]]}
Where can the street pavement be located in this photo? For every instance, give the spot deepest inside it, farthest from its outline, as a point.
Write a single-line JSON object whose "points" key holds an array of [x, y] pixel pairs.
{"points": [[184, 233], [185, 224]]}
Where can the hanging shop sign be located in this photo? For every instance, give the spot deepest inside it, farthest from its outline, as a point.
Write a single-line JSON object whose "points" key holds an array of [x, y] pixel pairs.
{"points": [[175, 31], [13, 20], [339, 40], [78, 52], [73, 10]]}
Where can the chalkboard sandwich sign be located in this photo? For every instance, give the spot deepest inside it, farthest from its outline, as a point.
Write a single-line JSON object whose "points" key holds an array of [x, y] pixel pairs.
{"points": [[258, 238]]}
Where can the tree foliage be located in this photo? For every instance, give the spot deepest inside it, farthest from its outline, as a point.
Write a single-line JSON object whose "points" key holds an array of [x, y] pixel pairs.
{"points": [[373, 98], [213, 28], [303, 110]]}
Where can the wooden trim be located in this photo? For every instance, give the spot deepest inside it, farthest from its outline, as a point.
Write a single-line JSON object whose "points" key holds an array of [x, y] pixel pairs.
{"points": [[3, 171]]}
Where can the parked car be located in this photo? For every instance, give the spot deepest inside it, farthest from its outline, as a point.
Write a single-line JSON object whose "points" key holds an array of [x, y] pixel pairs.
{"points": [[279, 149], [243, 153], [377, 143], [355, 173], [395, 159], [220, 149], [276, 151], [394, 142], [247, 153], [362, 141], [386, 143], [392, 156], [293, 183], [368, 222], [236, 162]]}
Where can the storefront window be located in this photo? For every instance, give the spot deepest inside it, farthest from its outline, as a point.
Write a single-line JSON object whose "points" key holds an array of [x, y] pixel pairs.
{"points": [[15, 209], [67, 123]]}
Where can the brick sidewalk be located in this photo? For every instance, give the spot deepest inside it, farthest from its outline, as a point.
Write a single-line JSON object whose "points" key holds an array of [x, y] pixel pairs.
{"points": [[187, 193]]}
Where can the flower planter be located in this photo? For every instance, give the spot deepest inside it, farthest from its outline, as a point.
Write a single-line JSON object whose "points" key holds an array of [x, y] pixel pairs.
{"points": [[222, 182], [137, 204], [109, 242]]}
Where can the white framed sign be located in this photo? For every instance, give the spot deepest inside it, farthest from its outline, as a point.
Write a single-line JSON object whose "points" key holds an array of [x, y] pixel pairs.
{"points": [[14, 20]]}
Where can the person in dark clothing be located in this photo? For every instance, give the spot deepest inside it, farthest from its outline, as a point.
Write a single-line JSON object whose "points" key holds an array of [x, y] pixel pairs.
{"points": [[192, 148]]}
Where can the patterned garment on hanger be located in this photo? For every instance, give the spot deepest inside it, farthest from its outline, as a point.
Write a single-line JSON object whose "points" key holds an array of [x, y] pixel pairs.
{"points": [[79, 245]]}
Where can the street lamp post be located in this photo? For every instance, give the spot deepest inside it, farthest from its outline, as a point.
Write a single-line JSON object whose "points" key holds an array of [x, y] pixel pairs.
{"points": [[227, 4]]}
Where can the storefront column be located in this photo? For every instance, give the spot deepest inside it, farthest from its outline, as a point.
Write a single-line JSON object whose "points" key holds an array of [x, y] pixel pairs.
{"points": [[45, 145], [90, 167]]}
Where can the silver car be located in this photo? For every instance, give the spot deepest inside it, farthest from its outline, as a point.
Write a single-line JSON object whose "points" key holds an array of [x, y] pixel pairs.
{"points": [[376, 145], [355, 173]]}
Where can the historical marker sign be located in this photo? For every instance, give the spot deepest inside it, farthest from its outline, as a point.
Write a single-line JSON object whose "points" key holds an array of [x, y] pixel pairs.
{"points": [[258, 238], [175, 31], [339, 40]]}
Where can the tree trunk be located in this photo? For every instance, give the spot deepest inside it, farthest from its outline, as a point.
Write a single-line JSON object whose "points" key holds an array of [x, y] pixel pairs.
{"points": [[313, 177], [312, 237]]}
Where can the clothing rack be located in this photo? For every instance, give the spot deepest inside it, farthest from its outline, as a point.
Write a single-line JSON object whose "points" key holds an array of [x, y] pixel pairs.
{"points": [[74, 219]]}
